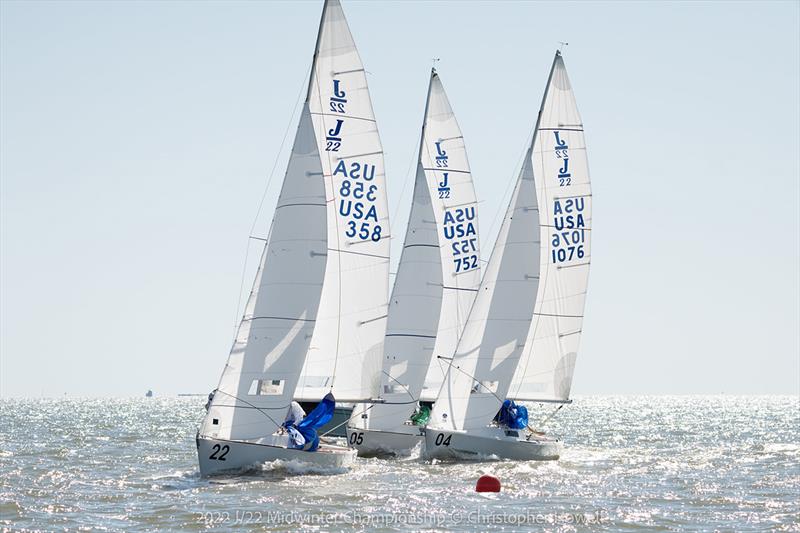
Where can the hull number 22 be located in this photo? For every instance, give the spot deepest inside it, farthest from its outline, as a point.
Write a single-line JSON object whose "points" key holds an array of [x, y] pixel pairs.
{"points": [[222, 451]]}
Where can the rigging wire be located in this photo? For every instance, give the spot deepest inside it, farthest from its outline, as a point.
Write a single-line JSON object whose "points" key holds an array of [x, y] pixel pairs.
{"points": [[363, 412], [396, 210], [348, 420], [259, 409], [543, 422], [528, 426], [450, 362], [511, 181], [404, 386], [261, 204]]}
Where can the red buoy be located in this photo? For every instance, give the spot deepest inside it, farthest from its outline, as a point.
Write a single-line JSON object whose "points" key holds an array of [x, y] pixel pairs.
{"points": [[487, 484]]}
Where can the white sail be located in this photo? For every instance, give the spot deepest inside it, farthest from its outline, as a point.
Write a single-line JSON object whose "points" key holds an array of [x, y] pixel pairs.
{"points": [[444, 158], [347, 345], [414, 310], [559, 161], [487, 353], [439, 269], [318, 279], [264, 364]]}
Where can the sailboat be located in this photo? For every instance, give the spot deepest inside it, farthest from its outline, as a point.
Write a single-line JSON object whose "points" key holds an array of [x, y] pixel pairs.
{"points": [[523, 329], [437, 278], [322, 283]]}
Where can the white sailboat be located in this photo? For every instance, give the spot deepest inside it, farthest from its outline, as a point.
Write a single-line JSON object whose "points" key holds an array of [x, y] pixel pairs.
{"points": [[437, 278], [530, 302], [322, 284]]}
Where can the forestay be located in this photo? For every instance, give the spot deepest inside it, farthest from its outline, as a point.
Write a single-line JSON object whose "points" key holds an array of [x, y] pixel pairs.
{"points": [[264, 364], [345, 352], [444, 159], [488, 351], [439, 269], [560, 163]]}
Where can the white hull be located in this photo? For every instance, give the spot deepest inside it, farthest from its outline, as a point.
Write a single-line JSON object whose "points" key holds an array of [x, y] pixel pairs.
{"points": [[487, 443], [219, 455], [374, 443]]}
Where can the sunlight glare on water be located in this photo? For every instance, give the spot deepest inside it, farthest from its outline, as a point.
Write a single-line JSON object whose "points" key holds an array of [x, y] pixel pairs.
{"points": [[630, 463]]}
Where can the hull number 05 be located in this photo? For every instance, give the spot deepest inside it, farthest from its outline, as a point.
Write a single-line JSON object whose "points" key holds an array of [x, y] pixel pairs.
{"points": [[356, 438]]}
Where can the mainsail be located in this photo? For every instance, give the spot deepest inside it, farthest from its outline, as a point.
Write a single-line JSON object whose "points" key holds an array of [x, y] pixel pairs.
{"points": [[515, 312], [324, 269], [439, 269], [444, 159], [346, 349], [559, 161]]}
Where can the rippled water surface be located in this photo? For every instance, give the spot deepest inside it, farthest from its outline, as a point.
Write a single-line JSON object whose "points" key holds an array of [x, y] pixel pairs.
{"points": [[630, 463]]}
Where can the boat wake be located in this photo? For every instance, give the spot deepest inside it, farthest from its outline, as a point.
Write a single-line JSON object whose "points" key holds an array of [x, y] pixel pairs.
{"points": [[177, 480], [459, 457], [299, 468]]}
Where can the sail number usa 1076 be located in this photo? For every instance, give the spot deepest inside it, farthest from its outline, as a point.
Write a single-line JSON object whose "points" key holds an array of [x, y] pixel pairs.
{"points": [[569, 222]]}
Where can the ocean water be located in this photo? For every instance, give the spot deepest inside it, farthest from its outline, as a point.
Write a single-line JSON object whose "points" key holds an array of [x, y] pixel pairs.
{"points": [[700, 463]]}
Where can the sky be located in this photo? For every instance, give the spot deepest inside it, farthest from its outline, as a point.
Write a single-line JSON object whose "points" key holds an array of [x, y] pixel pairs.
{"points": [[137, 139]]}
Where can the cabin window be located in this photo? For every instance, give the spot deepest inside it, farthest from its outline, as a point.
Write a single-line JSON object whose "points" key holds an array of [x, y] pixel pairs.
{"points": [[317, 382], [389, 389], [487, 387], [266, 387]]}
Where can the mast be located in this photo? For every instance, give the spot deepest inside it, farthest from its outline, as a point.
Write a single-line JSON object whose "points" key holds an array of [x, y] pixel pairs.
{"points": [[352, 313], [435, 284], [481, 370], [272, 340], [316, 46], [547, 365], [447, 167]]}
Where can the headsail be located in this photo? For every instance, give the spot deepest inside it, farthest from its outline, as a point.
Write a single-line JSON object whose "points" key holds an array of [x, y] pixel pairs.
{"points": [[345, 352], [439, 269], [565, 197], [486, 357], [264, 364]]}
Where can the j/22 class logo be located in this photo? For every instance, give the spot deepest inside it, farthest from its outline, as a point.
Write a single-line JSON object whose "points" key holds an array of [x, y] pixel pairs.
{"points": [[441, 162], [338, 99], [444, 187], [441, 155], [561, 149], [334, 139]]}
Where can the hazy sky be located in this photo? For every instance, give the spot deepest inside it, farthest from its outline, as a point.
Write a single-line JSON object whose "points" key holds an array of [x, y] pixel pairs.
{"points": [[136, 140]]}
